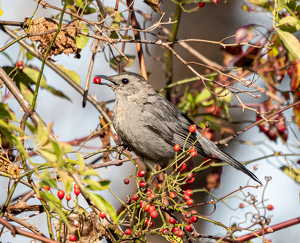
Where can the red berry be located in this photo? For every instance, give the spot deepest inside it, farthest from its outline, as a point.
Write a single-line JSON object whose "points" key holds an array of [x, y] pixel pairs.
{"points": [[142, 183], [151, 208], [270, 207], [194, 219], [126, 181], [97, 80], [142, 204], [47, 188], [241, 205], [194, 212], [102, 214], [149, 223], [172, 220], [215, 1], [135, 197], [176, 147], [152, 195], [193, 128], [201, 5], [147, 207], [182, 167], [19, 63], [76, 186], [190, 201], [172, 195], [186, 197], [255, 167], [187, 214], [189, 221], [188, 192], [180, 233], [76, 191], [191, 180], [127, 232], [193, 153], [73, 238], [68, 197], [141, 173], [189, 228], [175, 229], [60, 194], [154, 214], [164, 231]]}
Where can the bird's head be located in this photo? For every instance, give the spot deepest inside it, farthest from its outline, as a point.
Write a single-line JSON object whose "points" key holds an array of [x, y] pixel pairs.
{"points": [[127, 84]]}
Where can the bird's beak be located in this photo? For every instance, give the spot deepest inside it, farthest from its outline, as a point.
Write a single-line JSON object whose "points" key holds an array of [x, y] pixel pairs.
{"points": [[106, 78]]}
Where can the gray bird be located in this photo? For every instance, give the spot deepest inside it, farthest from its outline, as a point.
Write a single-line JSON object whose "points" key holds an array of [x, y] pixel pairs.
{"points": [[151, 125]]}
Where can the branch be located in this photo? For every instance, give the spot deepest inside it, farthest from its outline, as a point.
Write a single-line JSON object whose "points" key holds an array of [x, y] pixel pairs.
{"points": [[270, 229], [224, 141], [16, 230]]}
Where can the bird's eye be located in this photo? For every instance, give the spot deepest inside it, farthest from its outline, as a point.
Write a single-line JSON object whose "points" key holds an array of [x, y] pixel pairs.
{"points": [[125, 81]]}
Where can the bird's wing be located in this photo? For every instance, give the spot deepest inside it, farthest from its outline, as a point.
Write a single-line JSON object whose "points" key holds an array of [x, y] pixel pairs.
{"points": [[167, 121]]}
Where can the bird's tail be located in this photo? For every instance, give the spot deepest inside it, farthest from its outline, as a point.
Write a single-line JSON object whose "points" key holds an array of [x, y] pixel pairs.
{"points": [[234, 163]]}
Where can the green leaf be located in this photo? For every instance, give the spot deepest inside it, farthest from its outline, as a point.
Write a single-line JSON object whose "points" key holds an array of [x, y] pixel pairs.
{"points": [[224, 94], [6, 113], [103, 205], [45, 176], [48, 155], [80, 161], [33, 75], [261, 3], [127, 37], [294, 173], [72, 74], [203, 95], [104, 184], [89, 172], [45, 135], [289, 24], [31, 127], [92, 184], [281, 5], [127, 63], [57, 209], [290, 42], [82, 40], [96, 185], [113, 35], [40, 130], [66, 181], [7, 131]]}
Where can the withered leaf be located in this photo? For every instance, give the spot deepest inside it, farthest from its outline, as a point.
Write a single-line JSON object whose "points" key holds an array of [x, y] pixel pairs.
{"points": [[65, 41]]}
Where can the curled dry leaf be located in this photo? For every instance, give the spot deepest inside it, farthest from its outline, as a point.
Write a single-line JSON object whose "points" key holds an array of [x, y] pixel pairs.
{"points": [[65, 41], [154, 4]]}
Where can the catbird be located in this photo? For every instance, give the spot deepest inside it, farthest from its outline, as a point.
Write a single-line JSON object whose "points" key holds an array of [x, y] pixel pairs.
{"points": [[151, 125]]}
